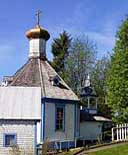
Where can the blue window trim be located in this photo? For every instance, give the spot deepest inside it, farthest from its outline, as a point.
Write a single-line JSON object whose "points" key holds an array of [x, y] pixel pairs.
{"points": [[9, 134], [62, 106]]}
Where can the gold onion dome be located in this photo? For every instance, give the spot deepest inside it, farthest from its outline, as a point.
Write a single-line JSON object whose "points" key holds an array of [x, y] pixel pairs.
{"points": [[38, 32]]}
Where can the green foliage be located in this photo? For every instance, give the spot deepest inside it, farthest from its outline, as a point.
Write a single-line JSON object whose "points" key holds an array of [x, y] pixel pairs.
{"points": [[117, 78], [99, 83], [60, 51]]}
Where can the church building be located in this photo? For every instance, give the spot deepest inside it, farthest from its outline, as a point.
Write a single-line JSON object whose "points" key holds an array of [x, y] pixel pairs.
{"points": [[36, 104]]}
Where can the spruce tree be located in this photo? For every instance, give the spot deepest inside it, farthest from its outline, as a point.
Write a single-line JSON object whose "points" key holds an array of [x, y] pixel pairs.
{"points": [[117, 77], [60, 51]]}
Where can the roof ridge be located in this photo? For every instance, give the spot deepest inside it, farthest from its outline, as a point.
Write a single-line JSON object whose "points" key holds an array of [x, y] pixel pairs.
{"points": [[41, 80]]}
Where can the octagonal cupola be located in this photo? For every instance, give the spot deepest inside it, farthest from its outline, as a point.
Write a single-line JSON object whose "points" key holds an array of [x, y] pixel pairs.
{"points": [[37, 40]]}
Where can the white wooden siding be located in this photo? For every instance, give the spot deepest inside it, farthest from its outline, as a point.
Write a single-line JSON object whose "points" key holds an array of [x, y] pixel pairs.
{"points": [[20, 103], [50, 132], [25, 135], [90, 130], [37, 46], [38, 132]]}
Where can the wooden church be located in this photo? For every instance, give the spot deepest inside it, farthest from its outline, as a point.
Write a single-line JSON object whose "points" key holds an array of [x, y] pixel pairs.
{"points": [[36, 104]]}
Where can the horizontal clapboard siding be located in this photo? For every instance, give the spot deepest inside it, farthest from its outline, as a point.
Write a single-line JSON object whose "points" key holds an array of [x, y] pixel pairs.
{"points": [[25, 135]]}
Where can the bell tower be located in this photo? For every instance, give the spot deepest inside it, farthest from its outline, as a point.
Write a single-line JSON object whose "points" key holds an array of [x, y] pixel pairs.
{"points": [[89, 97]]}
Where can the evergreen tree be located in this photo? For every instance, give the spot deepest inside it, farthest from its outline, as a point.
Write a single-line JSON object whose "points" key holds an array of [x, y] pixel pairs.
{"points": [[60, 51], [117, 78]]}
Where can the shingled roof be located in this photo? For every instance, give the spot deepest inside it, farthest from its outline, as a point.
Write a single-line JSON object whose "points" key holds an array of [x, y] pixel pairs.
{"points": [[85, 117], [39, 73]]}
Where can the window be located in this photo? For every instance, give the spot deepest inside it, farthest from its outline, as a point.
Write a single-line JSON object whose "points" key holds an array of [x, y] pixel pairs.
{"points": [[9, 140], [60, 117]]}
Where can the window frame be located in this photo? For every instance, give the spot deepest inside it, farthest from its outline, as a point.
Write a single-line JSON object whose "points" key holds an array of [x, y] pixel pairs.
{"points": [[9, 134], [63, 120]]}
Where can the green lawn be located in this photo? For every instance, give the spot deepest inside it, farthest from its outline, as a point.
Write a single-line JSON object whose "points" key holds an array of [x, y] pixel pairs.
{"points": [[119, 150]]}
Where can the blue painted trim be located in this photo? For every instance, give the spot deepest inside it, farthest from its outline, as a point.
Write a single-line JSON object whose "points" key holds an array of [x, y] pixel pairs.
{"points": [[66, 144], [56, 100], [35, 138], [91, 108], [55, 116], [78, 106], [4, 140], [64, 117], [41, 134], [62, 106], [9, 134], [87, 110], [74, 121], [42, 120]]}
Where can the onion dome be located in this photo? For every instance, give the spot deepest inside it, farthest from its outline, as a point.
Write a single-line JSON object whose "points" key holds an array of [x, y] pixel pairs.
{"points": [[38, 32]]}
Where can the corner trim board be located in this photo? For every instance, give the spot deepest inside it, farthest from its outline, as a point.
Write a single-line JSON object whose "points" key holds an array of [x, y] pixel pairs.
{"points": [[35, 138], [42, 120], [74, 121]]}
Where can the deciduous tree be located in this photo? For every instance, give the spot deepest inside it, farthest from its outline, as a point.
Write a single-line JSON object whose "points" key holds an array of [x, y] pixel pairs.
{"points": [[99, 84], [80, 62]]}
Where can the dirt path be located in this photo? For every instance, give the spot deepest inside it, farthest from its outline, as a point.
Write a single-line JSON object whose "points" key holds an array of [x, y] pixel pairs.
{"points": [[101, 148]]}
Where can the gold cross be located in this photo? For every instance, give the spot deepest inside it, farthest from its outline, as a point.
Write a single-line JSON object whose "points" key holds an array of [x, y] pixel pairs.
{"points": [[38, 13]]}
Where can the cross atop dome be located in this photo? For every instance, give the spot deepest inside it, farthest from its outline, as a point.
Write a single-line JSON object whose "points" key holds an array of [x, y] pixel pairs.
{"points": [[38, 31], [38, 13]]}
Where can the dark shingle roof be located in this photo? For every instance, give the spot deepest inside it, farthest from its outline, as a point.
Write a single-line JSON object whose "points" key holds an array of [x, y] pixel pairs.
{"points": [[28, 75], [39, 73]]}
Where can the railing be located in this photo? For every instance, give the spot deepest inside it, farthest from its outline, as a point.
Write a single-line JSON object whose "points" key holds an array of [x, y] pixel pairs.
{"points": [[120, 132]]}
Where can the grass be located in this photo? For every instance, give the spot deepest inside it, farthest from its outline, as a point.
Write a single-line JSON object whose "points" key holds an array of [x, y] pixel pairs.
{"points": [[118, 150]]}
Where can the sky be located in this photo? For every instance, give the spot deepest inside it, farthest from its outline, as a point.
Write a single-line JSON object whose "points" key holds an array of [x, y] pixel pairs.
{"points": [[97, 19]]}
